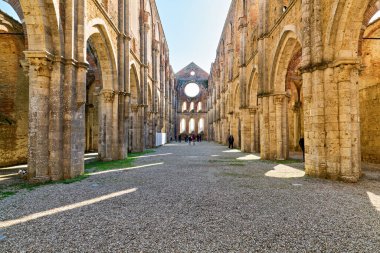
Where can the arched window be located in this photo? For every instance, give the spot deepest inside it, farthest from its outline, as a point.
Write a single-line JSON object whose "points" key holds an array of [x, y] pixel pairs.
{"points": [[199, 107], [201, 125], [184, 106], [191, 106], [183, 126], [191, 125]]}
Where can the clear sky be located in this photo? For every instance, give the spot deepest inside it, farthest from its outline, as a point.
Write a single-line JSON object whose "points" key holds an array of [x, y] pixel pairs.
{"points": [[8, 9], [193, 29]]}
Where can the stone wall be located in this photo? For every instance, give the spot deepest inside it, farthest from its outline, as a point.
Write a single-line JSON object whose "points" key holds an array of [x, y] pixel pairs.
{"points": [[310, 70], [68, 113], [14, 94]]}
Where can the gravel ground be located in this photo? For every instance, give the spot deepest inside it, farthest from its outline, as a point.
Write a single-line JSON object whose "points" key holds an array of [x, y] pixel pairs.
{"points": [[195, 199]]}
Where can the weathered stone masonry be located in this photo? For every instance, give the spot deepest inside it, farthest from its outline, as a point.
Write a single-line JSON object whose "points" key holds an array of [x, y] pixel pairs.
{"points": [[98, 78], [291, 69]]}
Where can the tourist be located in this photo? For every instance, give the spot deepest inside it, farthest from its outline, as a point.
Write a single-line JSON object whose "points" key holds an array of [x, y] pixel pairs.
{"points": [[302, 145], [231, 141]]}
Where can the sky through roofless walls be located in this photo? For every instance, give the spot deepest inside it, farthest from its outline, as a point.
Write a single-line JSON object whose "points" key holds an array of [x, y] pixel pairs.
{"points": [[193, 29], [5, 7]]}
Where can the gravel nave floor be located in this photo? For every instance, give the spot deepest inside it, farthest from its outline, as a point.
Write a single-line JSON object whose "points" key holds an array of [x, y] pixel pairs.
{"points": [[195, 199]]}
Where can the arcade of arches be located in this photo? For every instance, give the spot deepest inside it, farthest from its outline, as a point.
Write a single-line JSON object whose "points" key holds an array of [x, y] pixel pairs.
{"points": [[291, 69], [82, 76], [95, 76]]}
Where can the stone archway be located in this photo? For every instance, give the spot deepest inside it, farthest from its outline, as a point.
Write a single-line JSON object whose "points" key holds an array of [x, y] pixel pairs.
{"points": [[14, 94], [107, 138], [254, 127], [93, 88], [342, 104], [293, 87], [369, 93], [136, 114], [42, 39], [289, 49]]}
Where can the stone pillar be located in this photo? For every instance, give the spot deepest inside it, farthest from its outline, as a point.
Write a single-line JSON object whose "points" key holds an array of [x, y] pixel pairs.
{"points": [[246, 131], [230, 62], [242, 67], [56, 120], [297, 125], [80, 124], [279, 102], [349, 123], [108, 97], [264, 128], [254, 145], [40, 67]]}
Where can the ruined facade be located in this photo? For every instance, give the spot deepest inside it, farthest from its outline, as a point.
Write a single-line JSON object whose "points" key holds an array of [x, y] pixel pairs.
{"points": [[192, 94], [97, 78], [299, 68]]}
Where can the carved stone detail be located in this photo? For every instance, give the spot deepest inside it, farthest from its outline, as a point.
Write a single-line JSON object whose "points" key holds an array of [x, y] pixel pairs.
{"points": [[108, 96], [40, 62]]}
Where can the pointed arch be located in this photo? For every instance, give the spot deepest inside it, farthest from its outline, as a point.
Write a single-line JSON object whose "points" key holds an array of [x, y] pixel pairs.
{"points": [[135, 85], [289, 43], [253, 86], [352, 16], [98, 36]]}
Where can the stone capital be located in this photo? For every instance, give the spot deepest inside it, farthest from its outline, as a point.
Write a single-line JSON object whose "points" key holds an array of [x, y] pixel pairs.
{"points": [[307, 99], [242, 22], [40, 62], [123, 93], [134, 108], [279, 99], [156, 45], [83, 65], [345, 72], [253, 110], [108, 96]]}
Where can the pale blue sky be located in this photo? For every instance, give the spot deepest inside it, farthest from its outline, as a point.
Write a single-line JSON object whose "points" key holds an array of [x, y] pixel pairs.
{"points": [[192, 28], [8, 9]]}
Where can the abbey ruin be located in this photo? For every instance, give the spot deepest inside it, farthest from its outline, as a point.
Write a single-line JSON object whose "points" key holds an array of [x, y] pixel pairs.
{"points": [[80, 76], [95, 76], [291, 69]]}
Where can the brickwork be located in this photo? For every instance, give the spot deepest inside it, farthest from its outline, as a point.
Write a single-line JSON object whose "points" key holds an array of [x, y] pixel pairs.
{"points": [[13, 94], [80, 99], [310, 71]]}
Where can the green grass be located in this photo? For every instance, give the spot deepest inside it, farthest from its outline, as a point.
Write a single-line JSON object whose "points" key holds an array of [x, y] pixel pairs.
{"points": [[95, 166], [289, 161], [126, 163], [5, 194]]}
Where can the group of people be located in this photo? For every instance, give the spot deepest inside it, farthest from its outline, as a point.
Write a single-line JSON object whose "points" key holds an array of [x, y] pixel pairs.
{"points": [[191, 138]]}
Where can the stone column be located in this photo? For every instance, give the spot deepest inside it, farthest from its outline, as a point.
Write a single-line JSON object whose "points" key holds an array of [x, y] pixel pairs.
{"points": [[230, 62], [242, 67], [264, 128], [349, 123], [56, 120], [254, 130], [279, 102], [80, 126], [40, 67], [246, 132], [108, 97]]}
